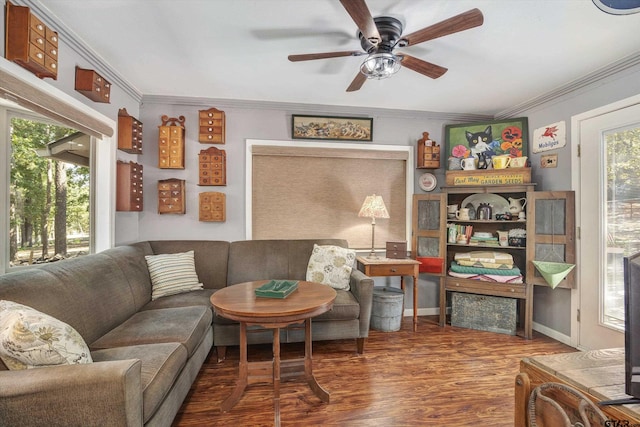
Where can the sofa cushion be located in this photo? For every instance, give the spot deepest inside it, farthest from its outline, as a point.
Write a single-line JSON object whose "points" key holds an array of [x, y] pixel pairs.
{"points": [[185, 325], [172, 274], [345, 307], [161, 365], [331, 265], [188, 299], [32, 339]]}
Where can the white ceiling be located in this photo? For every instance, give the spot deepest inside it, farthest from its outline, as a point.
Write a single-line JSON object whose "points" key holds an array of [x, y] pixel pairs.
{"points": [[237, 49]]}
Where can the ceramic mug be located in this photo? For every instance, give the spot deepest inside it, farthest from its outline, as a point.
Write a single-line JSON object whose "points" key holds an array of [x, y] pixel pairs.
{"points": [[518, 162], [469, 163], [463, 214], [500, 162], [451, 211], [455, 163]]}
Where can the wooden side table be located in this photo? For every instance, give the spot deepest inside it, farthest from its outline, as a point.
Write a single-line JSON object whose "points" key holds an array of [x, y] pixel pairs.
{"points": [[385, 267], [239, 302]]}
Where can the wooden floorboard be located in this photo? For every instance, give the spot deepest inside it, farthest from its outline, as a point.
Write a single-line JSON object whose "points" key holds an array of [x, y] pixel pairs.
{"points": [[434, 377]]}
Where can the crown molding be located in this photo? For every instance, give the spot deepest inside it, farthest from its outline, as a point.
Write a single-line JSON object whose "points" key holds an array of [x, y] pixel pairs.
{"points": [[313, 108], [573, 86]]}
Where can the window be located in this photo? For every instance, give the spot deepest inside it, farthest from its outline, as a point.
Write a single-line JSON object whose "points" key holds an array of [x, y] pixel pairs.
{"points": [[49, 192]]}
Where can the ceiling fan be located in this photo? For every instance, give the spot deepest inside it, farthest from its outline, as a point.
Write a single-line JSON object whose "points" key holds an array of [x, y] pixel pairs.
{"points": [[380, 36]]}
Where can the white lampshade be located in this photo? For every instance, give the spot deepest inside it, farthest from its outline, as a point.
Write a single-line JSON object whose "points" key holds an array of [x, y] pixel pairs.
{"points": [[373, 207]]}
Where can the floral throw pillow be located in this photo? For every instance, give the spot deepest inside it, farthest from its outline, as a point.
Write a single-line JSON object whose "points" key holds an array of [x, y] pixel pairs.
{"points": [[331, 265], [31, 339]]}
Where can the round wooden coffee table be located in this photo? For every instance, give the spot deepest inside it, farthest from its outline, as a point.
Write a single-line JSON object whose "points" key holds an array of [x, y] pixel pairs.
{"points": [[239, 302]]}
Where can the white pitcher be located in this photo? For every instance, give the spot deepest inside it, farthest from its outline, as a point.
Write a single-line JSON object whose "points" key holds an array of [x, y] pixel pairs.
{"points": [[516, 205]]}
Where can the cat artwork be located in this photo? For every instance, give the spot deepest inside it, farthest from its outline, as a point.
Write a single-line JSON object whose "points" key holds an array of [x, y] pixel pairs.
{"points": [[479, 141]]}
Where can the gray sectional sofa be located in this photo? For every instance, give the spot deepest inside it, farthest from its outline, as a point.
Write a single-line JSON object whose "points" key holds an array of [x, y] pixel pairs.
{"points": [[147, 353]]}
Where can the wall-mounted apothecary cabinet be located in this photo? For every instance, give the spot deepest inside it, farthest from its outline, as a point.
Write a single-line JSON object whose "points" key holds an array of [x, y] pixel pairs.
{"points": [[129, 133]]}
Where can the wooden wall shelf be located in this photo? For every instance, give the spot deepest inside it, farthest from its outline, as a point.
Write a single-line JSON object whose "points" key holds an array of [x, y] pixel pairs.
{"points": [[428, 153], [129, 133], [171, 143], [212, 124], [129, 187], [93, 85], [212, 164], [171, 197], [30, 43], [212, 207]]}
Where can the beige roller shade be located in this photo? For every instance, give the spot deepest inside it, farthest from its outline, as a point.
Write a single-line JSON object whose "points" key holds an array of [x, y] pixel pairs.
{"points": [[317, 193]]}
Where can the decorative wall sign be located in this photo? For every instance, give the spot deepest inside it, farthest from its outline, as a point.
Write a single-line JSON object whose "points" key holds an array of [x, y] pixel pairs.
{"points": [[549, 137], [489, 177], [337, 128], [488, 139]]}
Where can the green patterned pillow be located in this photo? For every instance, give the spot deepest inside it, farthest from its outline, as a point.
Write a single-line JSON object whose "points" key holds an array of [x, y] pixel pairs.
{"points": [[172, 274], [31, 339], [331, 265]]}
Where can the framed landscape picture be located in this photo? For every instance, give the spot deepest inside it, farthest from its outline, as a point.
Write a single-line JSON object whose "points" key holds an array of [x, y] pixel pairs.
{"points": [[336, 128], [488, 139]]}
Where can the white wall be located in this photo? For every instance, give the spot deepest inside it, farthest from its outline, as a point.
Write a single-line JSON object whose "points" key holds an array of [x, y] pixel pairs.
{"points": [[552, 308]]}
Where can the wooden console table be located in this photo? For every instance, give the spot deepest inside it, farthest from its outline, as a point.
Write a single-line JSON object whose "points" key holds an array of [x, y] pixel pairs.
{"points": [[385, 267], [598, 374]]}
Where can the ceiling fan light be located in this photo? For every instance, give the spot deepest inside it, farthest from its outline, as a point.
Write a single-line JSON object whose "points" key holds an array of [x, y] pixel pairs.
{"points": [[380, 65]]}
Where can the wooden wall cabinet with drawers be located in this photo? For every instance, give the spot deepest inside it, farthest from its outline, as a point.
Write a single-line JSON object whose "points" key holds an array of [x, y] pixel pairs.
{"points": [[171, 197], [30, 43], [129, 187], [93, 85], [212, 124], [129, 133], [212, 164], [212, 207], [171, 143]]}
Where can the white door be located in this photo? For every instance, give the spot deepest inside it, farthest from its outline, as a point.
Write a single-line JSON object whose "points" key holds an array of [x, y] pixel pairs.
{"points": [[609, 224]]}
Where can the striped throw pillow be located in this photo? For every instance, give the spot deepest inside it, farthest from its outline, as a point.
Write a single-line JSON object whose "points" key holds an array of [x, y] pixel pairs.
{"points": [[172, 274]]}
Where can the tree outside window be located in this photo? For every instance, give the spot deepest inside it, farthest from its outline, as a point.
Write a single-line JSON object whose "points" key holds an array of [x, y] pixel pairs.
{"points": [[49, 197]]}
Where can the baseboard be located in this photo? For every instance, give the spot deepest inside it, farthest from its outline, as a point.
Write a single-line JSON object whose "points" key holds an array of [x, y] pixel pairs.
{"points": [[433, 311], [564, 339]]}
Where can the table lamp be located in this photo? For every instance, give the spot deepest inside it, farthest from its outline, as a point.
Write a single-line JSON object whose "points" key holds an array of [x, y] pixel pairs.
{"points": [[373, 207]]}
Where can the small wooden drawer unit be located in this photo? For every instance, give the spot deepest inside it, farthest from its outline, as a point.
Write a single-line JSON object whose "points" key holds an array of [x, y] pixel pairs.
{"points": [[30, 43], [428, 153], [171, 197], [171, 143], [129, 187], [129, 133], [211, 126], [212, 206], [93, 85], [213, 167], [396, 250]]}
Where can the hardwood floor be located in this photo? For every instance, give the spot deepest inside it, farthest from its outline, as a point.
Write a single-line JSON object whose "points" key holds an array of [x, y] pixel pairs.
{"points": [[434, 377]]}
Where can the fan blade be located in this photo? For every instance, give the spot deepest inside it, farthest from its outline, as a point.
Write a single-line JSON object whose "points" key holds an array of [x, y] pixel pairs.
{"points": [[423, 67], [357, 83], [360, 14], [325, 55], [469, 19]]}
